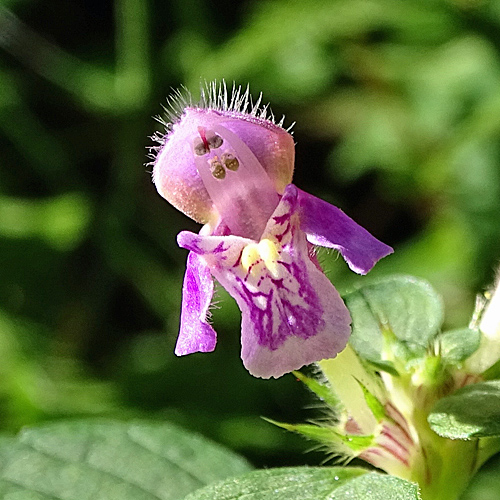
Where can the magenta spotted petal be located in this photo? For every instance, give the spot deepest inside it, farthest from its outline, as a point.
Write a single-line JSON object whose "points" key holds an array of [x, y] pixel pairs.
{"points": [[291, 313]]}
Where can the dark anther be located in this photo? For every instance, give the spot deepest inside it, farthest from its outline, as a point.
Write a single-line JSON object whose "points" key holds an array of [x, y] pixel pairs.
{"points": [[217, 169], [199, 147], [214, 141], [230, 162]]}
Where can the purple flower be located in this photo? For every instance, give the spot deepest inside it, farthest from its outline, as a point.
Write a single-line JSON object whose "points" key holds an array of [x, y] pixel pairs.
{"points": [[232, 170]]}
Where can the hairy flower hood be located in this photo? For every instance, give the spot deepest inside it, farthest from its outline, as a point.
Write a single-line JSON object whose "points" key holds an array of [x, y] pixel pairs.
{"points": [[175, 172]]}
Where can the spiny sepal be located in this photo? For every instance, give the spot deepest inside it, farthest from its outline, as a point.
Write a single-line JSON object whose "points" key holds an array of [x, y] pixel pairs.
{"points": [[336, 441], [322, 390]]}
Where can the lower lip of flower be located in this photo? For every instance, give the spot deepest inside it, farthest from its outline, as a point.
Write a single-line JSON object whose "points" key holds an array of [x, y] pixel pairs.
{"points": [[265, 253]]}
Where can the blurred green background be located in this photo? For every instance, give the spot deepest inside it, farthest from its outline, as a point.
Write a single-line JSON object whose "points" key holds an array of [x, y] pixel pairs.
{"points": [[397, 111]]}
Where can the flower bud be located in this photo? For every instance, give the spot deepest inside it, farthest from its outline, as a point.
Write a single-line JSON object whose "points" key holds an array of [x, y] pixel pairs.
{"points": [[489, 326]]}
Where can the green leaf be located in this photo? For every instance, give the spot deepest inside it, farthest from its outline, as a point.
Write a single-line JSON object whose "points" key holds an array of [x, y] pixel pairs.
{"points": [[377, 487], [394, 318], [60, 221], [471, 412], [493, 372], [485, 485], [456, 346], [310, 483], [104, 460]]}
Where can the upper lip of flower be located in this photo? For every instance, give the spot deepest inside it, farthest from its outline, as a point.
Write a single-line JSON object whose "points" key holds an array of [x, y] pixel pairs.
{"points": [[175, 171]]}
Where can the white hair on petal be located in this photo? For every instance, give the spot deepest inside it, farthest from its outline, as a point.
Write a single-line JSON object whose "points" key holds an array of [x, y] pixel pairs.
{"points": [[216, 96], [213, 95]]}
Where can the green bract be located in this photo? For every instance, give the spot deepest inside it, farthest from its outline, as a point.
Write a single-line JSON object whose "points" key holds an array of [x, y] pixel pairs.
{"points": [[456, 346], [394, 316], [470, 412]]}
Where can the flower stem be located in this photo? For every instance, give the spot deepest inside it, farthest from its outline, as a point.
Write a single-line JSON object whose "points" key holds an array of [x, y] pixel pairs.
{"points": [[444, 467]]}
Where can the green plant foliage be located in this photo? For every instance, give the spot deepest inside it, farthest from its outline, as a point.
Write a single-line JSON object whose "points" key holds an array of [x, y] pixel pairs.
{"points": [[493, 372], [105, 460], [456, 346], [303, 483], [376, 407], [486, 484], [396, 315], [377, 487], [470, 412], [61, 222]]}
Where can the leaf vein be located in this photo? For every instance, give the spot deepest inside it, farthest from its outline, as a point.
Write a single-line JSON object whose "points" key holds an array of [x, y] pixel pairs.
{"points": [[168, 459], [86, 464], [308, 482], [25, 488]]}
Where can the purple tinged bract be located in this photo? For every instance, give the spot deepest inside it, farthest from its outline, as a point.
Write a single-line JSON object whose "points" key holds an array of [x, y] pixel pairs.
{"points": [[226, 165]]}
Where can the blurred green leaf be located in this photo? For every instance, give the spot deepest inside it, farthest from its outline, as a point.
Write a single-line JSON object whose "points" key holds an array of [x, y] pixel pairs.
{"points": [[485, 485], [301, 35], [103, 460], [493, 372], [60, 221], [471, 412], [304, 483], [35, 383]]}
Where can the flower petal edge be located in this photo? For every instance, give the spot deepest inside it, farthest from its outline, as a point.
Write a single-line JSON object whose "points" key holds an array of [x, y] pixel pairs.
{"points": [[328, 226]]}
